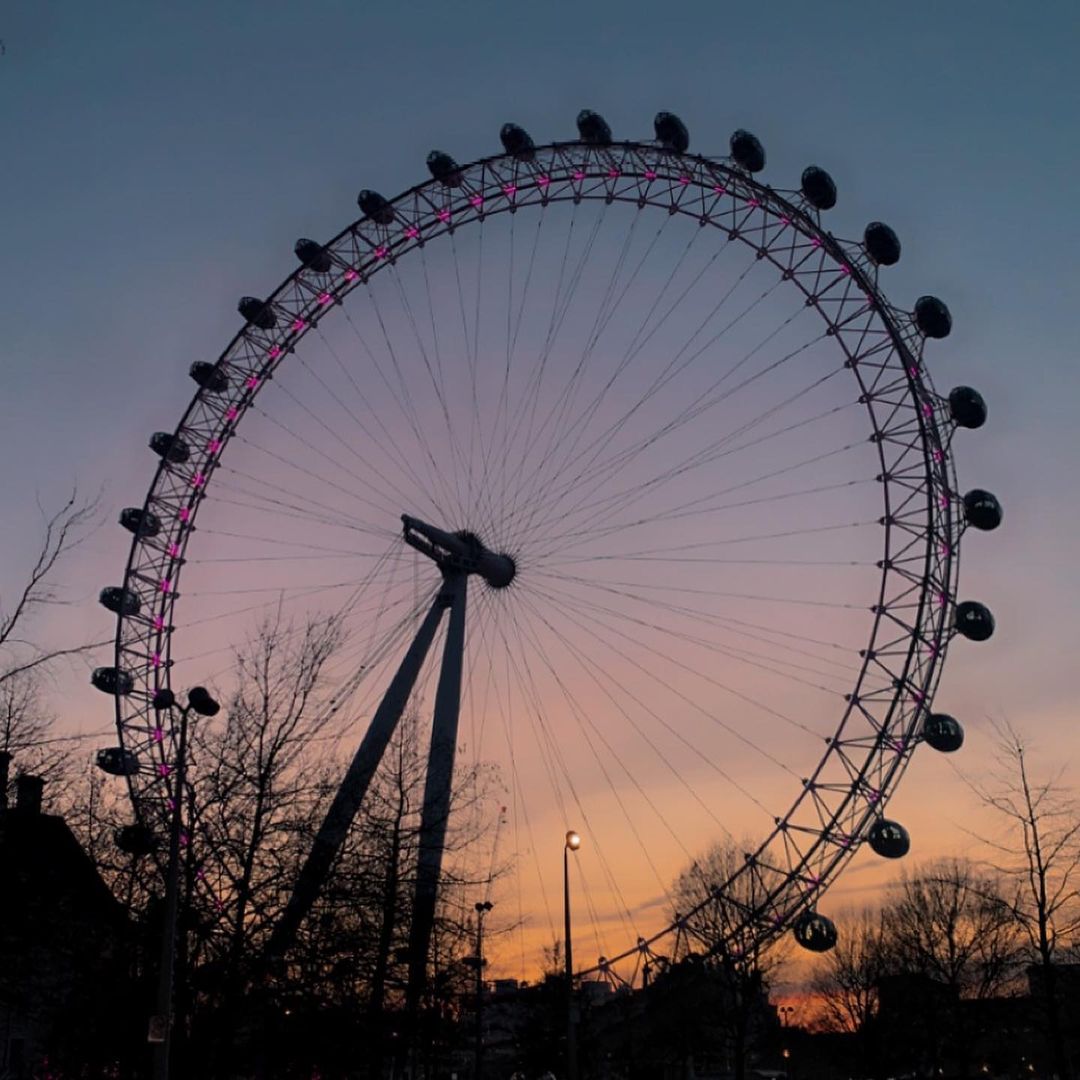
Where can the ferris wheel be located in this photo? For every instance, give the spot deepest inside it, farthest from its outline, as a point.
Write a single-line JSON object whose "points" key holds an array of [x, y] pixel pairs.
{"points": [[650, 453]]}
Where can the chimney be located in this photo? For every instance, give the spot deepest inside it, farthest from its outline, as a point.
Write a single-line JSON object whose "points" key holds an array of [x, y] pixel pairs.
{"points": [[28, 793], [5, 766]]}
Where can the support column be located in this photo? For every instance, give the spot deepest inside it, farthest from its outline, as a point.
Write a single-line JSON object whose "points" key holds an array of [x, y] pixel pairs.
{"points": [[339, 817], [436, 810]]}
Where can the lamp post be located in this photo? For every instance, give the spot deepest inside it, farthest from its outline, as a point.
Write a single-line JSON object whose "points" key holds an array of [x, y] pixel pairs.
{"points": [[573, 842], [786, 1012], [200, 701], [482, 908]]}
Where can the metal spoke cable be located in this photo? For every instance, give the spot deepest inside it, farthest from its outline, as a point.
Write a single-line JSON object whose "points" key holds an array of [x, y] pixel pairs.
{"points": [[700, 406], [653, 604], [624, 588], [530, 692], [585, 725], [403, 400], [387, 439], [570, 608]]}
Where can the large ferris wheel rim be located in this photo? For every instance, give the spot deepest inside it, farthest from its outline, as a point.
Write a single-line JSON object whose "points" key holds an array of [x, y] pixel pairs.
{"points": [[665, 179]]}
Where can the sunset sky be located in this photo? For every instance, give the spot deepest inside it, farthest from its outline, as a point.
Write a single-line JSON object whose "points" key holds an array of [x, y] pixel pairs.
{"points": [[160, 163]]}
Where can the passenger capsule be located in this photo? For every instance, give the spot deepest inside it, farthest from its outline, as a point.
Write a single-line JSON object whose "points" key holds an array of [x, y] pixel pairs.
{"points": [[818, 188], [163, 699], [258, 312], [974, 620], [118, 761], [889, 839], [881, 243], [982, 510], [313, 255], [170, 447], [967, 407], [115, 681], [593, 128], [376, 207], [671, 132], [119, 601], [517, 141], [135, 840], [815, 932], [444, 168], [932, 317], [943, 733], [747, 151], [209, 376], [140, 522]]}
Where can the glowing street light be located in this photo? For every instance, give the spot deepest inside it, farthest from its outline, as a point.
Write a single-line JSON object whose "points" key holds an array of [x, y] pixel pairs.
{"points": [[573, 842], [199, 701]]}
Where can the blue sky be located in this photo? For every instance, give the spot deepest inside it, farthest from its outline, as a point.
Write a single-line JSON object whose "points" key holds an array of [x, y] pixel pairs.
{"points": [[159, 162]]}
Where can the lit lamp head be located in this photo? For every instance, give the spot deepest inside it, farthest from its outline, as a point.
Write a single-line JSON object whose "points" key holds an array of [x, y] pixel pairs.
{"points": [[573, 841], [200, 700]]}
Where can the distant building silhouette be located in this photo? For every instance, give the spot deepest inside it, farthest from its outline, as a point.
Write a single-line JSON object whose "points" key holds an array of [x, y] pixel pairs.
{"points": [[64, 941]]}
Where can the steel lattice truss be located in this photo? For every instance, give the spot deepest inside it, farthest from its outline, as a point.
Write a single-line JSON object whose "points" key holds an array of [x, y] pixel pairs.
{"points": [[910, 424]]}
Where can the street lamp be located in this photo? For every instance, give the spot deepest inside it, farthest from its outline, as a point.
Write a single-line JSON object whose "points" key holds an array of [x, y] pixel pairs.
{"points": [[482, 908], [573, 842], [200, 701]]}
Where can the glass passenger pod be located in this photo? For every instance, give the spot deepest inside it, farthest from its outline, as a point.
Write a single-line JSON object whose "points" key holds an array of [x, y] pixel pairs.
{"points": [[881, 243], [313, 255], [170, 447], [815, 932], [593, 128], [376, 207], [889, 839], [114, 681], [257, 312], [209, 376], [144, 523], [974, 620], [982, 509], [967, 407], [818, 188], [135, 840], [444, 169], [117, 761], [747, 151], [932, 317], [671, 132], [119, 601], [943, 733], [517, 141]]}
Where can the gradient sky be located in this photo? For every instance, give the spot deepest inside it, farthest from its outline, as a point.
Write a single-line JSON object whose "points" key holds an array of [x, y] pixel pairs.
{"points": [[159, 163]]}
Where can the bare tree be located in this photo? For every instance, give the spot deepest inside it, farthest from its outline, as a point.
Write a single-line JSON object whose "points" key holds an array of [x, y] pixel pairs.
{"points": [[728, 895], [847, 978], [846, 983], [1038, 852], [25, 722], [65, 530], [954, 924], [261, 781], [26, 726], [949, 936], [256, 778]]}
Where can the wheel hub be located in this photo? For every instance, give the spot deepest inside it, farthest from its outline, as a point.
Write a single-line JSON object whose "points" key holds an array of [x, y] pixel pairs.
{"points": [[459, 552]]}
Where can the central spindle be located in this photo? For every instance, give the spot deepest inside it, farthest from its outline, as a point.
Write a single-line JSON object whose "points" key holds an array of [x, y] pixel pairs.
{"points": [[459, 552]]}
